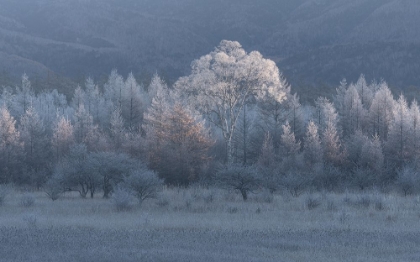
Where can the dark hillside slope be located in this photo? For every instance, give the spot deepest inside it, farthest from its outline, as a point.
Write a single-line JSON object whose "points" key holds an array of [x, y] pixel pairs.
{"points": [[314, 42]]}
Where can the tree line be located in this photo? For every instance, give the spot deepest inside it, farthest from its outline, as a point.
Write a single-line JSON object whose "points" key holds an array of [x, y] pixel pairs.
{"points": [[233, 122]]}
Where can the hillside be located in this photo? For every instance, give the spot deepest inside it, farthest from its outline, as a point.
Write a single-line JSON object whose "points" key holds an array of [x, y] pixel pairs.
{"points": [[314, 42]]}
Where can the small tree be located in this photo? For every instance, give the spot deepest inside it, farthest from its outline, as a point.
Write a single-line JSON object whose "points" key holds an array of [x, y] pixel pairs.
{"points": [[144, 183], [240, 178], [267, 165], [408, 180]]}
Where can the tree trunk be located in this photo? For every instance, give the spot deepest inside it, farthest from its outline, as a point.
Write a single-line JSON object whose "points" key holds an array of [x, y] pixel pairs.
{"points": [[229, 156]]}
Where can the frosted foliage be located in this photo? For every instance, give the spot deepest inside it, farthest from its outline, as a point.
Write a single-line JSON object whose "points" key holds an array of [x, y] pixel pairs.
{"points": [[36, 144], [325, 113], [414, 138], [365, 91], [267, 157], [381, 111], [331, 144], [117, 130], [313, 148], [178, 144], [134, 100], [372, 155], [291, 146], [113, 88], [8, 133], [23, 98], [10, 146], [354, 112], [222, 82], [94, 102], [399, 131], [155, 85], [63, 137], [79, 97]]}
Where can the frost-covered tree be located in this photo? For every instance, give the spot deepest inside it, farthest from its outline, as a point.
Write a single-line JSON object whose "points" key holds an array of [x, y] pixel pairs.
{"points": [[23, 98], [179, 145], [242, 144], [10, 148], [63, 137], [325, 113], [244, 179], [399, 132], [290, 146], [381, 111], [312, 147], [79, 98], [144, 183], [117, 130], [109, 169], [353, 112], [95, 103], [295, 116], [76, 173], [86, 131], [156, 84], [36, 145], [414, 138], [267, 165], [273, 114], [224, 81], [372, 156], [331, 144], [114, 90], [134, 99], [365, 91]]}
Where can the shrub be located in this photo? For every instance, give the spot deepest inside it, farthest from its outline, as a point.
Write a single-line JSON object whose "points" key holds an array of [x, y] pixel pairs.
{"points": [[295, 183], [240, 178], [312, 203], [53, 188], [123, 199], [408, 180], [144, 184], [27, 200]]}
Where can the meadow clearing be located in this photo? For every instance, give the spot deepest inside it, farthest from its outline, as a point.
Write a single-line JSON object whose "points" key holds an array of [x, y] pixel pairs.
{"points": [[200, 224]]}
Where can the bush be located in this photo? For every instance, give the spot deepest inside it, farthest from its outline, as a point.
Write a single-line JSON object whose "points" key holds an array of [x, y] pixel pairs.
{"points": [[312, 203], [295, 183], [123, 199], [53, 188], [27, 200], [408, 180], [144, 184], [240, 178]]}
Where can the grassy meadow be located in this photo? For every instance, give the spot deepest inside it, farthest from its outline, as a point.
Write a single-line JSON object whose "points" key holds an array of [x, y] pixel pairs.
{"points": [[200, 224]]}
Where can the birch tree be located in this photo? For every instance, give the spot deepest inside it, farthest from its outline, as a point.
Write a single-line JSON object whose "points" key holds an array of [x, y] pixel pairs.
{"points": [[224, 81]]}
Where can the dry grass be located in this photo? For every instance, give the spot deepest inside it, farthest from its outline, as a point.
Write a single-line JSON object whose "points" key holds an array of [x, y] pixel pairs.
{"points": [[201, 224]]}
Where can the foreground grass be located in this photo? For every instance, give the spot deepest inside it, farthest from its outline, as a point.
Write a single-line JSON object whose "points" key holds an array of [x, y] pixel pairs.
{"points": [[205, 225]]}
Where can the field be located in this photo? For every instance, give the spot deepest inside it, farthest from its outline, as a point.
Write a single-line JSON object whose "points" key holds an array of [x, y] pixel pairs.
{"points": [[212, 225]]}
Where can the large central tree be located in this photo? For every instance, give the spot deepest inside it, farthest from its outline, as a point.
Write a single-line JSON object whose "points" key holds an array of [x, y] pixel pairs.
{"points": [[224, 81]]}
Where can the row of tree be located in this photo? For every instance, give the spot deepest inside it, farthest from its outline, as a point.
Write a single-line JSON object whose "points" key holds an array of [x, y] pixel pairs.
{"points": [[233, 112]]}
